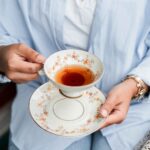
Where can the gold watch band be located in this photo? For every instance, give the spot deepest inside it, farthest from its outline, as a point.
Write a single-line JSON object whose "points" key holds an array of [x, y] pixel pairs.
{"points": [[142, 87]]}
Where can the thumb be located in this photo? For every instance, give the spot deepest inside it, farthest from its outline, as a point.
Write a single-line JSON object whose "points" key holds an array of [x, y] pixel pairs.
{"points": [[30, 54], [107, 107]]}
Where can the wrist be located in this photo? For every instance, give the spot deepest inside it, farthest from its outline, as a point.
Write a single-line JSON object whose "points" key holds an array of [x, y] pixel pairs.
{"points": [[142, 87], [131, 86]]}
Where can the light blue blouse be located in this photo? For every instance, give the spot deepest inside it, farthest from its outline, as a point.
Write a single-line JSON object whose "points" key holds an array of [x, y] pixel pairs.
{"points": [[120, 37]]}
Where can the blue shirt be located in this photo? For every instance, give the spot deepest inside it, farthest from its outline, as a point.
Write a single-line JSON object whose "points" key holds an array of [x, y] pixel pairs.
{"points": [[120, 37]]}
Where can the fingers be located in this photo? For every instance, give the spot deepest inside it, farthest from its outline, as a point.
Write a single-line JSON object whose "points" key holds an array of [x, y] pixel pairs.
{"points": [[20, 63], [107, 107], [115, 118], [114, 110], [18, 77], [26, 67], [116, 106], [30, 54]]}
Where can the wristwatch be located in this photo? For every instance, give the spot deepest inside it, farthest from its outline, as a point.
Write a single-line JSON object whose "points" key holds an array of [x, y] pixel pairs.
{"points": [[142, 87]]}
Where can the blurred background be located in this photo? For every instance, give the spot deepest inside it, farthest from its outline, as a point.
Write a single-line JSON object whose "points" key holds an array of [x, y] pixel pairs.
{"points": [[7, 94]]}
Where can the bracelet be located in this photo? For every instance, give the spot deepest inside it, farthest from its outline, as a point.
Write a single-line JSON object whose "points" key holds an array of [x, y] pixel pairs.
{"points": [[142, 87]]}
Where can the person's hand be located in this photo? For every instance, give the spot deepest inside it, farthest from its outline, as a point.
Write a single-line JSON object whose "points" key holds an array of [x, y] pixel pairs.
{"points": [[20, 63], [117, 103]]}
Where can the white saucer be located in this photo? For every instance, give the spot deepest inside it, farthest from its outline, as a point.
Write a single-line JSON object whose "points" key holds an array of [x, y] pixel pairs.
{"points": [[64, 116]]}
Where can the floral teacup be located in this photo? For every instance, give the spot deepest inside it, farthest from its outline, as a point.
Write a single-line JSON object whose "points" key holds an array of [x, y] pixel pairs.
{"points": [[63, 58]]}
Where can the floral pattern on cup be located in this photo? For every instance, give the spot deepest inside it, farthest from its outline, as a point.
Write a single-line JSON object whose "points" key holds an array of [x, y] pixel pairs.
{"points": [[74, 57]]}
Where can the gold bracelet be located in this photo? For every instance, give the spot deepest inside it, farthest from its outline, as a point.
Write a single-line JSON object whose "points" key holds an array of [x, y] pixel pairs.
{"points": [[142, 87]]}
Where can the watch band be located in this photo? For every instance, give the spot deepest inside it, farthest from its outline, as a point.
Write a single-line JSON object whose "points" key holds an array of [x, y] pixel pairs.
{"points": [[142, 87]]}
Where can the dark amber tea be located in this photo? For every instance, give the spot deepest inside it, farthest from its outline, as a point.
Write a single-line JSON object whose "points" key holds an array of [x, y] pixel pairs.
{"points": [[74, 75]]}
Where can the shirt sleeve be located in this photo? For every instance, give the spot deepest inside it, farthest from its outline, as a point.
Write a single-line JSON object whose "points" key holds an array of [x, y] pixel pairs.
{"points": [[143, 69], [4, 79], [5, 37], [7, 40]]}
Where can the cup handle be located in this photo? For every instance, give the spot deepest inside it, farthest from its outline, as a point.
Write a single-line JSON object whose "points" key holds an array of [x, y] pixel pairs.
{"points": [[41, 72]]}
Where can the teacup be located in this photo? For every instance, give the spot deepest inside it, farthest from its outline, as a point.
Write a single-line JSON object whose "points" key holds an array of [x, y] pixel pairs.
{"points": [[71, 57]]}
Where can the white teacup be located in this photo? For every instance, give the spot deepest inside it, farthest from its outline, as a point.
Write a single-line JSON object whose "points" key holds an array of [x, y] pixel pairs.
{"points": [[64, 58]]}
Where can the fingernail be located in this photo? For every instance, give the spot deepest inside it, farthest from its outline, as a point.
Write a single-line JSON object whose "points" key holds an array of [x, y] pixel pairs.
{"points": [[40, 59], [104, 113]]}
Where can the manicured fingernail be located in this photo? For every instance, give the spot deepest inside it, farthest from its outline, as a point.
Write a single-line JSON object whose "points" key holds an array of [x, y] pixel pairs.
{"points": [[104, 113], [40, 59]]}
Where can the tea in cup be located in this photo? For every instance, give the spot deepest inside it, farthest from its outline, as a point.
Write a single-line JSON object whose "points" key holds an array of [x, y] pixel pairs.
{"points": [[69, 105], [73, 71]]}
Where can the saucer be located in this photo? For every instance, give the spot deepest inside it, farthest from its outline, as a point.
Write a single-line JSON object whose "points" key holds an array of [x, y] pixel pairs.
{"points": [[65, 116]]}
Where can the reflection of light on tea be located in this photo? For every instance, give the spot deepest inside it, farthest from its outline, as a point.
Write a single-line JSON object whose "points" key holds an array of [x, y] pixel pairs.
{"points": [[74, 75]]}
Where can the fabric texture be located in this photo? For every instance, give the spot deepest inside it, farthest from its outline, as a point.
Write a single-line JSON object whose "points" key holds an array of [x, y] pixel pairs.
{"points": [[144, 143], [78, 20], [95, 142], [146, 146], [119, 36]]}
